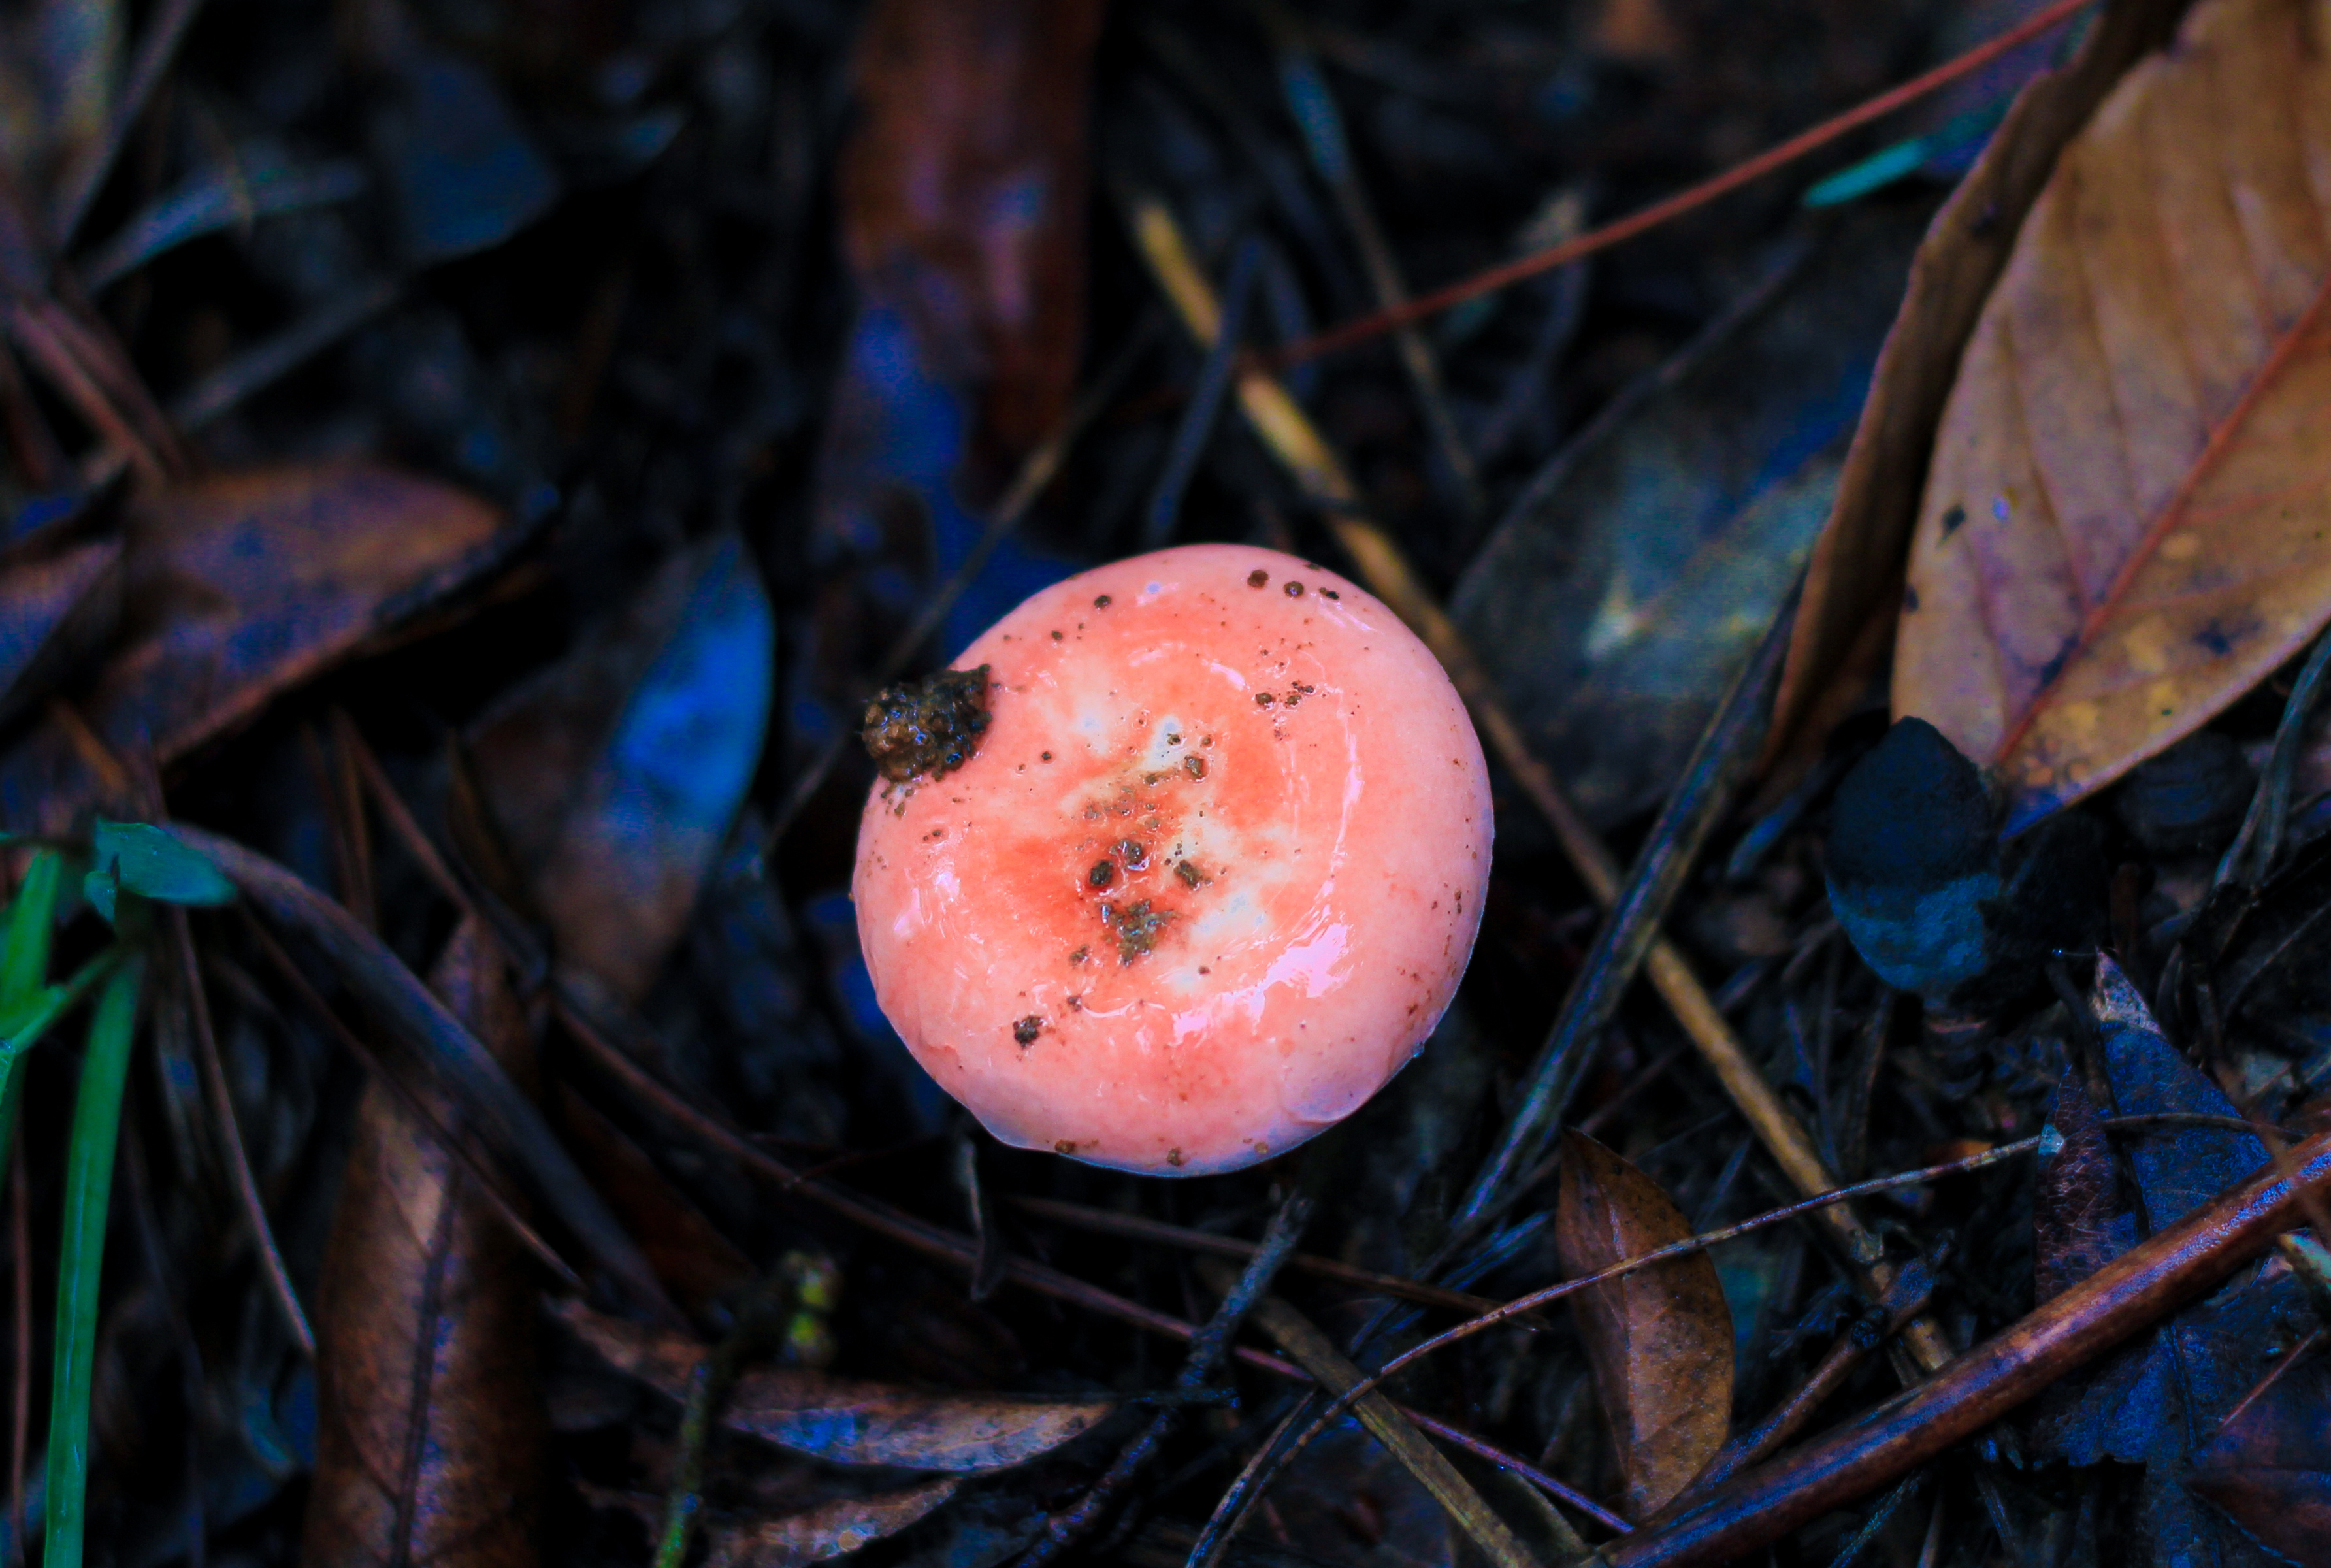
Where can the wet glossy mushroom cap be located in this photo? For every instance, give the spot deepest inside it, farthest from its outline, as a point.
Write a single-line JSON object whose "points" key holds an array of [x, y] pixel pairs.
{"points": [[1208, 878]]}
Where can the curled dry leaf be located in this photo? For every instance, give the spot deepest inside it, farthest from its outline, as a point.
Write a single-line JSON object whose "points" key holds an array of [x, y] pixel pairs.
{"points": [[431, 1425], [845, 1420], [828, 1530], [237, 586], [1853, 586], [616, 773], [1660, 1340], [2125, 522]]}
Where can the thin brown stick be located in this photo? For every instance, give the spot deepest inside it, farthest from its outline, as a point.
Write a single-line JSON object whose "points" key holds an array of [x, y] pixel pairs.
{"points": [[1317, 1355], [2137, 1288], [1133, 1227], [230, 1132], [354, 1044], [1689, 199]]}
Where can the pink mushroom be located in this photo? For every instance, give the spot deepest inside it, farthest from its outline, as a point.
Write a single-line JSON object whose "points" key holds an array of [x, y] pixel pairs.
{"points": [[1202, 877]]}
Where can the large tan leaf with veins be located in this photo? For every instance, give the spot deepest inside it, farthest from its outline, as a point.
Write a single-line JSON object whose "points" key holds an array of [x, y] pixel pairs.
{"points": [[2127, 521]]}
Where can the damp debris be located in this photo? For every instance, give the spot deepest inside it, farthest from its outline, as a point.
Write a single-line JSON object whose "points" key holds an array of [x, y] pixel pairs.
{"points": [[929, 727]]}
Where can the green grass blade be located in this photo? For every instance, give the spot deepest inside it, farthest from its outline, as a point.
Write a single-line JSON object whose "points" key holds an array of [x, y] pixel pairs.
{"points": [[32, 921], [89, 1188]]}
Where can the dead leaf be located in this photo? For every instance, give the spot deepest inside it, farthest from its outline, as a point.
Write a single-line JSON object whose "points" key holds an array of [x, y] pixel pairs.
{"points": [[431, 1433], [843, 1421], [238, 586], [963, 192], [1856, 573], [2270, 1467], [2123, 526], [1660, 1340], [616, 773], [828, 1530]]}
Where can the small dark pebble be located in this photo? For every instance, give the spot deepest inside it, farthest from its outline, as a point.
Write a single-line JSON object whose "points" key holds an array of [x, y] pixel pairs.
{"points": [[1026, 1031], [1294, 590], [1100, 602], [1101, 874], [1262, 699], [1258, 578]]}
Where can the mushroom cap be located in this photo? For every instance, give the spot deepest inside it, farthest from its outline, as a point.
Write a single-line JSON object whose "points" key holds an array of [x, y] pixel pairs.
{"points": [[1210, 878]]}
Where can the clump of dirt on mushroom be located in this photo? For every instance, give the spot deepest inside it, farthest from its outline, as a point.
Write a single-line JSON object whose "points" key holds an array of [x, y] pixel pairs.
{"points": [[930, 726]]}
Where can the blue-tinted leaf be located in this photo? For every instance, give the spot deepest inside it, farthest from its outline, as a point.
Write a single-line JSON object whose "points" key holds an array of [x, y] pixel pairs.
{"points": [[142, 858], [2156, 1400], [1615, 600], [616, 774]]}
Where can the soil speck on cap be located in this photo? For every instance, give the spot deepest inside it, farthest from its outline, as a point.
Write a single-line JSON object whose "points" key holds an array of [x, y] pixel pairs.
{"points": [[1294, 590], [1195, 766], [1258, 578], [930, 726], [1100, 602], [1101, 874], [1026, 1031]]}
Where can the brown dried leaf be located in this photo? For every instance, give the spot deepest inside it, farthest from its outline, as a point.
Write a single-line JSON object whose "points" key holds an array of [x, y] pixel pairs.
{"points": [[1856, 575], [1660, 1340], [828, 1530], [431, 1427], [843, 1421], [238, 586], [2124, 527], [963, 192]]}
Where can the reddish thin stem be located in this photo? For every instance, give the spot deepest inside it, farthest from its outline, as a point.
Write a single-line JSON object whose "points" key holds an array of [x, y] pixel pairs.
{"points": [[1370, 327]]}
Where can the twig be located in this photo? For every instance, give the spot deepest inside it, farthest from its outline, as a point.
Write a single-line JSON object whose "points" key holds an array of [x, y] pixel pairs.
{"points": [[411, 1104], [222, 1103], [1207, 1348], [373, 973], [1685, 201], [1037, 471], [1312, 106], [2252, 854], [155, 53], [1135, 1228], [2134, 1290], [1317, 1355], [1702, 793], [1205, 405]]}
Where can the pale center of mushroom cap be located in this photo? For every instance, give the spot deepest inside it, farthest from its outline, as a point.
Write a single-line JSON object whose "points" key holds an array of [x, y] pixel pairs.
{"points": [[1188, 836]]}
